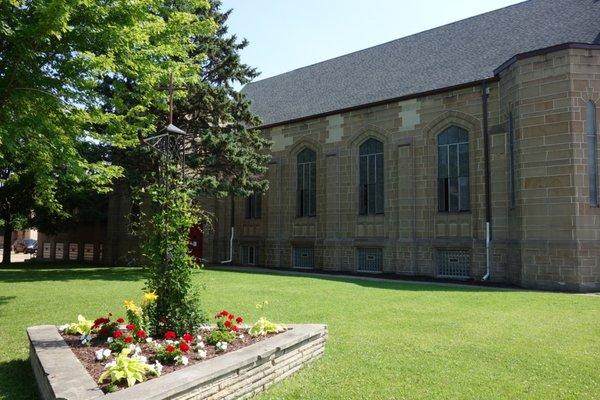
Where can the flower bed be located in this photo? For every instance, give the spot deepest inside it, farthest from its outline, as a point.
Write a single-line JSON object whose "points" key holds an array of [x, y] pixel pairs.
{"points": [[96, 356], [112, 355], [119, 353], [231, 375]]}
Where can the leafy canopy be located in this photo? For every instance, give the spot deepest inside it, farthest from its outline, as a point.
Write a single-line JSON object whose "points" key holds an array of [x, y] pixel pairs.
{"points": [[75, 73]]}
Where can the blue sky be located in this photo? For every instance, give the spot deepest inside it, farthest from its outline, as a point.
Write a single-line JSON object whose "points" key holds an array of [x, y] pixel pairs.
{"points": [[288, 34]]}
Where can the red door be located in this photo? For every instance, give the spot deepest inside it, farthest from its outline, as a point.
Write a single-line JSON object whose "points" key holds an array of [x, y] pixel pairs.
{"points": [[196, 242]]}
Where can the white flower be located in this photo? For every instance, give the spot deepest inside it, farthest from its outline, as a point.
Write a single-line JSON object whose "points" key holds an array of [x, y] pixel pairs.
{"points": [[148, 340], [142, 359], [137, 350], [184, 360], [205, 328], [168, 341], [199, 338], [200, 345], [222, 346], [99, 355], [62, 328], [110, 364], [110, 339], [242, 337], [158, 367], [177, 343], [85, 339], [102, 354], [201, 354]]}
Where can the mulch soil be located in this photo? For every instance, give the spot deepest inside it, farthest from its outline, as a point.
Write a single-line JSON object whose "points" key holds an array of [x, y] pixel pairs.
{"points": [[87, 357]]}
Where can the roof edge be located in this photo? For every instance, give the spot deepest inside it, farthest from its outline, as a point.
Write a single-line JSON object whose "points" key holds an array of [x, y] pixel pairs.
{"points": [[542, 51], [380, 102]]}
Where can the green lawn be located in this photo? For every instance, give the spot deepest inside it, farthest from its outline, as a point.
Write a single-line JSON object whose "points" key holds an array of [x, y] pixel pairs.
{"points": [[386, 340]]}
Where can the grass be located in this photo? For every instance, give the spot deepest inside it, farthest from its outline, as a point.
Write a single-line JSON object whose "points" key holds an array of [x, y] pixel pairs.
{"points": [[387, 340]]}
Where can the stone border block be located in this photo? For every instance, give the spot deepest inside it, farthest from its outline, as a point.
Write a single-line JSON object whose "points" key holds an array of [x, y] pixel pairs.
{"points": [[236, 375]]}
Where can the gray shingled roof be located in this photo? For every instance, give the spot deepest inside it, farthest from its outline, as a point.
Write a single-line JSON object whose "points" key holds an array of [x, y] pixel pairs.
{"points": [[454, 54]]}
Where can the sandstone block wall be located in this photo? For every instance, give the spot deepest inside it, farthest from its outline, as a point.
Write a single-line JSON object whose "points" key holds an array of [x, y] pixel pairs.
{"points": [[544, 234]]}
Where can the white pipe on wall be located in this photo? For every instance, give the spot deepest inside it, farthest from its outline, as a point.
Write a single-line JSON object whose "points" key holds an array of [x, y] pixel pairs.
{"points": [[230, 248], [487, 252]]}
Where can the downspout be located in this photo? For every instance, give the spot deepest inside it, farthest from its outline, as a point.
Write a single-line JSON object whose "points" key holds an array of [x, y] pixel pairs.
{"points": [[232, 233], [488, 198]]}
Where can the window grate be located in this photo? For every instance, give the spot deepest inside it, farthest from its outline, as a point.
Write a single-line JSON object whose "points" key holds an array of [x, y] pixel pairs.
{"points": [[454, 264], [248, 255], [304, 257], [369, 260]]}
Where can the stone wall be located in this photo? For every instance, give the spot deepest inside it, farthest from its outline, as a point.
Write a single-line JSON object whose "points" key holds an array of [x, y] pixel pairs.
{"points": [[546, 237]]}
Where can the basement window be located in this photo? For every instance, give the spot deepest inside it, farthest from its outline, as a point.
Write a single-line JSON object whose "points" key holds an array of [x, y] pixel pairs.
{"points": [[369, 260]]}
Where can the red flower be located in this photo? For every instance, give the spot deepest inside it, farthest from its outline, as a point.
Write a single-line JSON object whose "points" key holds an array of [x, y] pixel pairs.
{"points": [[187, 337], [130, 327], [100, 321], [224, 313], [228, 324], [141, 334], [170, 335], [235, 328], [128, 339], [170, 348], [231, 316], [239, 320], [120, 320], [117, 334], [183, 346]]}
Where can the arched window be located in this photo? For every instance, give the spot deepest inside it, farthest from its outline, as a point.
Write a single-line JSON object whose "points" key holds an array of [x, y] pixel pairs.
{"points": [[592, 144], [306, 188], [453, 170], [371, 177]]}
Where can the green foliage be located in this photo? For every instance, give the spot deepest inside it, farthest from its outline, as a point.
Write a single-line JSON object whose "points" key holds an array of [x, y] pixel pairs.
{"points": [[227, 155], [127, 368], [168, 357], [219, 335], [264, 327], [77, 75], [83, 326], [170, 265]]}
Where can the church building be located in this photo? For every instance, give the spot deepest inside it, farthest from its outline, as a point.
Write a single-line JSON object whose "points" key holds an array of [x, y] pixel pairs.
{"points": [[465, 152], [468, 151]]}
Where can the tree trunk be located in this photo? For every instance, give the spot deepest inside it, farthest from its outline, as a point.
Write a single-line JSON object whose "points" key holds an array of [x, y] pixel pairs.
{"points": [[7, 247]]}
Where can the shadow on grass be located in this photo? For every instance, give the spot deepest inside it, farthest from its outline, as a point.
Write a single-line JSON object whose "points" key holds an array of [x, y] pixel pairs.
{"points": [[383, 281], [5, 299], [66, 273], [17, 381]]}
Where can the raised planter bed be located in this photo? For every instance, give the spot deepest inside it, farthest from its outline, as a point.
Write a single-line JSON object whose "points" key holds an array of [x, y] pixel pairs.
{"points": [[235, 375]]}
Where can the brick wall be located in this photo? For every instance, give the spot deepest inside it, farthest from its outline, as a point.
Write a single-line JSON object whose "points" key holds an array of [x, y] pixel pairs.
{"points": [[547, 239]]}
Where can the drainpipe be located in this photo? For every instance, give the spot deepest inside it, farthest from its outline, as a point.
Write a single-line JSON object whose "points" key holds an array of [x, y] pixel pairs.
{"points": [[232, 234], [488, 198]]}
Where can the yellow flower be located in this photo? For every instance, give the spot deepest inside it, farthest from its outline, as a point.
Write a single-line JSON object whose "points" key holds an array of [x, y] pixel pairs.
{"points": [[150, 297], [130, 305]]}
